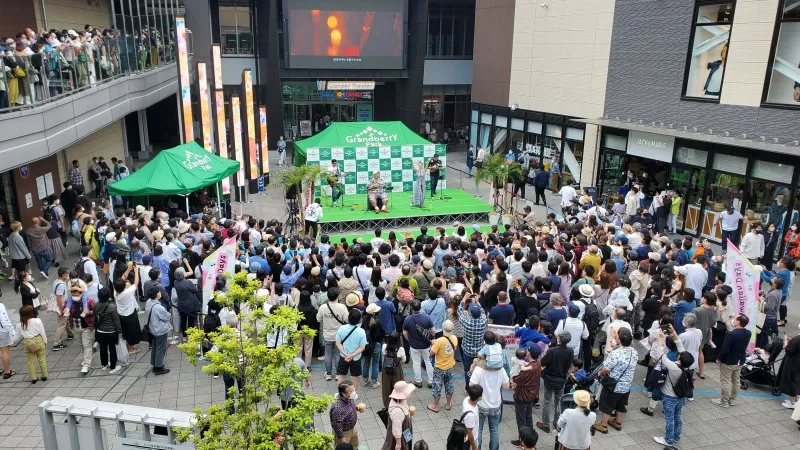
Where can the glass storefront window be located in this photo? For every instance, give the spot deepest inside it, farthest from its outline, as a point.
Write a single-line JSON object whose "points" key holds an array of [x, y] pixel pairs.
{"points": [[533, 146], [691, 156], [500, 141], [709, 51], [517, 143], [236, 31], [573, 156], [551, 149], [729, 163], [483, 137], [615, 142], [772, 171], [689, 183], [611, 175], [450, 30], [767, 201], [784, 75], [726, 189]]}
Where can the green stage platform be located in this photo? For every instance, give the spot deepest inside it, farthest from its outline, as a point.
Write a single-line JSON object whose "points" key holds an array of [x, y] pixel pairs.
{"points": [[355, 216]]}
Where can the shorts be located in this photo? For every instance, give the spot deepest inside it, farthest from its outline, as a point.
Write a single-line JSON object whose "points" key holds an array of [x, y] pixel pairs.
{"points": [[442, 378], [613, 401], [353, 366], [19, 264]]}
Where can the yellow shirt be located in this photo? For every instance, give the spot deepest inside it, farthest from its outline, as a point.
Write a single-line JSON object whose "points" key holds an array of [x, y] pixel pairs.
{"points": [[676, 206], [444, 350]]}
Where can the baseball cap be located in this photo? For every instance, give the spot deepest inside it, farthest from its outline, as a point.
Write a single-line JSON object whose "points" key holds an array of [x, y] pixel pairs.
{"points": [[475, 310]]}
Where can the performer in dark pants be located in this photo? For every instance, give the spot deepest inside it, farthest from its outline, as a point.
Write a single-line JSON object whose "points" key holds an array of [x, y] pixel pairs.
{"points": [[434, 165], [540, 182]]}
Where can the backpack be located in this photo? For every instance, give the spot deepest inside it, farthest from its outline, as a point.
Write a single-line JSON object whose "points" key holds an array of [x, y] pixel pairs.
{"points": [[457, 430], [405, 295], [80, 267], [48, 214], [390, 365], [683, 387], [591, 316], [494, 360], [212, 322]]}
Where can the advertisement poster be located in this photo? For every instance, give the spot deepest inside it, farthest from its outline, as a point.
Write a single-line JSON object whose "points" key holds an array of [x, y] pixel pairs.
{"points": [[262, 120], [364, 113], [249, 110], [236, 116], [205, 116], [221, 261], [745, 280], [216, 55], [305, 128], [185, 83]]}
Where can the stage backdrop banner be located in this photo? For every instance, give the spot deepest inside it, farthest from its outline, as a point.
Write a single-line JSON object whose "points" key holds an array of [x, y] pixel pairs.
{"points": [[745, 281], [363, 148]]}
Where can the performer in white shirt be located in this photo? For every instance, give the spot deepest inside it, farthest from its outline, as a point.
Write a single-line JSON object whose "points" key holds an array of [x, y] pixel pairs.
{"points": [[312, 215]]}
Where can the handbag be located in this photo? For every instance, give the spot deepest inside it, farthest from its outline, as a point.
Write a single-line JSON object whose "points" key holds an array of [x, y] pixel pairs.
{"points": [[383, 414], [146, 329], [32, 346], [611, 383]]}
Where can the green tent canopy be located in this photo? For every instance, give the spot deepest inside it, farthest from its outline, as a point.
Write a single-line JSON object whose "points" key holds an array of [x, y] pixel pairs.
{"points": [[358, 134], [179, 170]]}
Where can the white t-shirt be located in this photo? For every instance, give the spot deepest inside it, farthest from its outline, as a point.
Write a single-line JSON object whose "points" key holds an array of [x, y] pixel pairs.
{"points": [[568, 194], [401, 352], [730, 222], [691, 340], [492, 382], [471, 419], [126, 301]]}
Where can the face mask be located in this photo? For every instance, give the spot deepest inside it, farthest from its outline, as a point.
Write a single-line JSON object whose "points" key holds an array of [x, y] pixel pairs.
{"points": [[794, 227], [758, 231], [12, 47], [354, 396]]}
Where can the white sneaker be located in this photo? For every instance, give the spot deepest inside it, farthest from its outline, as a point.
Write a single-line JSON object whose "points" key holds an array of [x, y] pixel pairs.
{"points": [[787, 404], [175, 340], [44, 275], [104, 368], [84, 370], [375, 384], [115, 370], [321, 358], [327, 377], [660, 440]]}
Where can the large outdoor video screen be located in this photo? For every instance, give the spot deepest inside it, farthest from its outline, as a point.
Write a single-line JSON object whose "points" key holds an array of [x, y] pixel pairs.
{"points": [[346, 34]]}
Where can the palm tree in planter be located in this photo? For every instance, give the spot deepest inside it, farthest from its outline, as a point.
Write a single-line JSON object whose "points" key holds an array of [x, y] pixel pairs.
{"points": [[302, 180], [498, 171]]}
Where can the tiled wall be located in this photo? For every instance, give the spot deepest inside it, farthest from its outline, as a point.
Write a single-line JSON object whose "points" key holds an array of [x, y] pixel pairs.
{"points": [[107, 142]]}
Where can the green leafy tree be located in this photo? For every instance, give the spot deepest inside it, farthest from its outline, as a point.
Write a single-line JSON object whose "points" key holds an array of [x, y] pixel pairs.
{"points": [[301, 178], [252, 418], [498, 171]]}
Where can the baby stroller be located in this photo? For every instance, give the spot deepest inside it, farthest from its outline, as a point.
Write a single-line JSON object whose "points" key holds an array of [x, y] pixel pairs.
{"points": [[587, 384], [758, 371]]}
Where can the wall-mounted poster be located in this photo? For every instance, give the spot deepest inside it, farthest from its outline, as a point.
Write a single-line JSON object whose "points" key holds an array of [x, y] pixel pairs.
{"points": [[305, 128]]}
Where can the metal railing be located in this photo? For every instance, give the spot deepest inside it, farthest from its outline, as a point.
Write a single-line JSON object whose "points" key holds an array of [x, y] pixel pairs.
{"points": [[28, 81]]}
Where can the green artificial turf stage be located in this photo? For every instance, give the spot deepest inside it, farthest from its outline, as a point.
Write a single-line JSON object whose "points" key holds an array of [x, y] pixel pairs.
{"points": [[355, 206]]}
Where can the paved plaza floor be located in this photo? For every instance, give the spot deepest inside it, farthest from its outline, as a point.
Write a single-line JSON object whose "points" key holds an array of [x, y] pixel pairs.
{"points": [[757, 422]]}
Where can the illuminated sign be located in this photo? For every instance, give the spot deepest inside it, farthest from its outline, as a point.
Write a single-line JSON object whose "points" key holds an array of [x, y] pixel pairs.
{"points": [[205, 117], [262, 119], [252, 150], [236, 120], [215, 52], [183, 77], [349, 85]]}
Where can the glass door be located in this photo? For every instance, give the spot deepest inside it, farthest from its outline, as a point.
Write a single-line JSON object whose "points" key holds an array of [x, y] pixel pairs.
{"points": [[689, 182], [611, 176]]}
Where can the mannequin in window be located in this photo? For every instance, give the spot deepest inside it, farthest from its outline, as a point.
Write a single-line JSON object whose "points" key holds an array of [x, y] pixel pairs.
{"points": [[715, 70]]}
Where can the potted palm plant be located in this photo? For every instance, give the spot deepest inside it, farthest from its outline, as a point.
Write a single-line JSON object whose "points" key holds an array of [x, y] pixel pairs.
{"points": [[301, 179], [498, 171]]}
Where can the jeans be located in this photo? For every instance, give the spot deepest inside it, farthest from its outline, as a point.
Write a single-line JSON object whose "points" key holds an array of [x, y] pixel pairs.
{"points": [[552, 396], [44, 260], [673, 416], [466, 360], [732, 235], [331, 356], [336, 192], [729, 378], [418, 356], [493, 414], [158, 351], [108, 348], [524, 413], [371, 360]]}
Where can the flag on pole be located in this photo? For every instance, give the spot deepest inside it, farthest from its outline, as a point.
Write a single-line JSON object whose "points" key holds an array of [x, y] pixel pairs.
{"points": [[745, 280], [221, 261]]}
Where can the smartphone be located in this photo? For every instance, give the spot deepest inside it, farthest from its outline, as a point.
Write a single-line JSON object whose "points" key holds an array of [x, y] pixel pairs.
{"points": [[665, 329]]}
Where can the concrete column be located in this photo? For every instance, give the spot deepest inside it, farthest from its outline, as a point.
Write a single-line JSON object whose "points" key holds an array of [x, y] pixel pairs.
{"points": [[591, 155]]}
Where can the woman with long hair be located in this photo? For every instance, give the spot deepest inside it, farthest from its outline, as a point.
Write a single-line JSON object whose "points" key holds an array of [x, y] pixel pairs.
{"points": [[393, 356], [309, 311], [452, 315], [29, 293], [393, 241], [107, 327], [31, 331], [771, 239], [376, 280], [566, 279], [127, 308]]}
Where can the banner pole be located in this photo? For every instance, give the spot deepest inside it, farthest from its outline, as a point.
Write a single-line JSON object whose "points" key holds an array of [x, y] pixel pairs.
{"points": [[219, 199]]}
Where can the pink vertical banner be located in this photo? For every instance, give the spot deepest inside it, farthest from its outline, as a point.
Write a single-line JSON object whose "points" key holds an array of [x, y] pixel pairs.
{"points": [[745, 280]]}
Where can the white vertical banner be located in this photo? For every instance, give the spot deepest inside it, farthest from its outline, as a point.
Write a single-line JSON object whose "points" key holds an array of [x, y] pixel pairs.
{"points": [[222, 261], [745, 280]]}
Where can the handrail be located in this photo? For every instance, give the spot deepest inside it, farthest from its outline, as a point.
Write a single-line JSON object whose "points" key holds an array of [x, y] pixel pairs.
{"points": [[28, 81]]}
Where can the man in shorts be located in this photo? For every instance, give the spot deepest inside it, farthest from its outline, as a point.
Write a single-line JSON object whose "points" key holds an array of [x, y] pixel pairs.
{"points": [[351, 340]]}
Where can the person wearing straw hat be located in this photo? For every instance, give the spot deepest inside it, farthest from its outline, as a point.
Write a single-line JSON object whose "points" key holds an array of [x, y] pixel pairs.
{"points": [[398, 429], [575, 424]]}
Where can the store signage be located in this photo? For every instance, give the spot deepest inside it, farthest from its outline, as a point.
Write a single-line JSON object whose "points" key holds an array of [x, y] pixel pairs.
{"points": [[371, 135], [349, 86], [651, 145], [345, 95], [24, 171]]}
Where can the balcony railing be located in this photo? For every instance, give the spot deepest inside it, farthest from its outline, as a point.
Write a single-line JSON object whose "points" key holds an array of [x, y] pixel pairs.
{"points": [[30, 81]]}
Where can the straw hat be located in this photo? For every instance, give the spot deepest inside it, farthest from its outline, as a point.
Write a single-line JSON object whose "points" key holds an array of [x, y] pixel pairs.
{"points": [[402, 390], [352, 299], [373, 308], [582, 398], [158, 235], [586, 291]]}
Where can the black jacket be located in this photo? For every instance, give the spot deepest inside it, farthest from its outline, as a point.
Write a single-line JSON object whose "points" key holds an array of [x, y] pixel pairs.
{"points": [[188, 297], [734, 347], [556, 363], [106, 318]]}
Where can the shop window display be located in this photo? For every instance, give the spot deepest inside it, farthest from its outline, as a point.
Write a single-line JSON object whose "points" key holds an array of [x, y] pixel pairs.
{"points": [[689, 182], [709, 51], [611, 175], [767, 201], [783, 76]]}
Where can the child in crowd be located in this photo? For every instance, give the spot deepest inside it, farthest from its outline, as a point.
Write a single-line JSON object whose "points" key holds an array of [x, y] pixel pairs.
{"points": [[490, 355], [576, 373], [530, 333], [518, 361], [620, 297]]}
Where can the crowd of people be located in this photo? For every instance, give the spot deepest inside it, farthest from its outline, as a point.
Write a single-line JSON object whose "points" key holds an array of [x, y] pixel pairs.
{"points": [[552, 304]]}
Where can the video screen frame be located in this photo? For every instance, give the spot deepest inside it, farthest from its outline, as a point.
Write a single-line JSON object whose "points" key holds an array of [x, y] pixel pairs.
{"points": [[327, 62]]}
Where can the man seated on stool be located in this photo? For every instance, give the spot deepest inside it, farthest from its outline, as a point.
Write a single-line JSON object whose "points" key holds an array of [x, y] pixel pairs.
{"points": [[377, 197]]}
